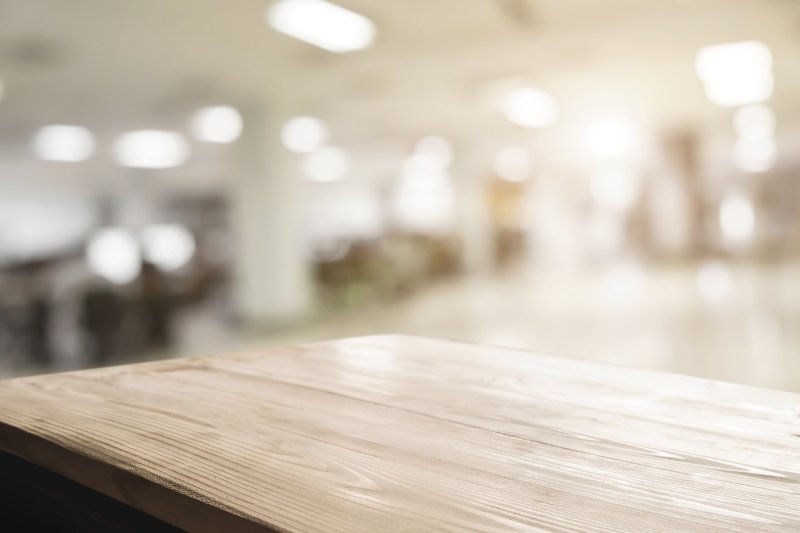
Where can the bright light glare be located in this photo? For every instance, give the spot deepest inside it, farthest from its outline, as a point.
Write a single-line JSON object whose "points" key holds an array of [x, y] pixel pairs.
{"points": [[611, 137], [434, 152], [755, 155], [713, 281], [424, 198], [37, 225], [513, 163], [754, 122], [219, 124], [322, 24], [63, 143], [614, 187], [530, 108], [151, 149], [113, 253], [304, 134], [737, 219], [327, 164], [736, 73], [168, 246]]}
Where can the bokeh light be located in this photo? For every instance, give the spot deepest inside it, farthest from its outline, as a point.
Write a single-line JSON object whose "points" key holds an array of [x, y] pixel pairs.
{"points": [[736, 74], [513, 163], [754, 122], [151, 149], [713, 281], [64, 143], [219, 124], [168, 246], [612, 137], [303, 135], [737, 219], [327, 164], [114, 254], [530, 108]]}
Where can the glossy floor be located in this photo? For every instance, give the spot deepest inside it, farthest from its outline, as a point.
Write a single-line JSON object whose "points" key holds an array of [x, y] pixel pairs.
{"points": [[738, 323], [732, 323]]}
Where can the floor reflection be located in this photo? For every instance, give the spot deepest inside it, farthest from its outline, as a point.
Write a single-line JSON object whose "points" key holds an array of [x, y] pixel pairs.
{"points": [[656, 318], [743, 330]]}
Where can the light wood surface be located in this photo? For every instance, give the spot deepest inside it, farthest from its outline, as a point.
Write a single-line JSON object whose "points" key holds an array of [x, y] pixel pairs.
{"points": [[396, 433]]}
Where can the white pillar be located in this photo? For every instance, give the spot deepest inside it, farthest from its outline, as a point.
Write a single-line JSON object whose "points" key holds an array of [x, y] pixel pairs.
{"points": [[273, 285]]}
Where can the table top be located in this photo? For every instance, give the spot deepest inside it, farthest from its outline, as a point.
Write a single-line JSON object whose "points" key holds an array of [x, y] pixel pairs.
{"points": [[396, 433]]}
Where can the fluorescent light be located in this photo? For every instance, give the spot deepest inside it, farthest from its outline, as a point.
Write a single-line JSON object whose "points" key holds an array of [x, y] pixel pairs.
{"points": [[326, 164], [63, 143], [322, 24], [530, 108], [736, 74], [219, 124], [113, 253], [611, 137], [152, 149], [513, 163], [304, 134], [168, 246]]}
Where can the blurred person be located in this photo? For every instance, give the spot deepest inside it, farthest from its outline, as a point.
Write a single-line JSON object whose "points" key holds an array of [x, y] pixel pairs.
{"points": [[157, 305], [102, 310], [26, 313]]}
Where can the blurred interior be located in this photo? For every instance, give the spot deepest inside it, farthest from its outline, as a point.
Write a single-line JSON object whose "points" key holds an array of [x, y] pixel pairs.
{"points": [[615, 180]]}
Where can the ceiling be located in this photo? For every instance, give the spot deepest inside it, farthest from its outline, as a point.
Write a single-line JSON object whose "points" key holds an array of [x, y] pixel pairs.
{"points": [[115, 66]]}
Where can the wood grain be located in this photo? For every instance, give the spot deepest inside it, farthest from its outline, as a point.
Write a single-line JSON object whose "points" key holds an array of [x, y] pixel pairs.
{"points": [[396, 433]]}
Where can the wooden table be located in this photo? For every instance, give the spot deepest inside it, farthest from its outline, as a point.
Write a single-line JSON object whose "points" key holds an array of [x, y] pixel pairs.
{"points": [[396, 433]]}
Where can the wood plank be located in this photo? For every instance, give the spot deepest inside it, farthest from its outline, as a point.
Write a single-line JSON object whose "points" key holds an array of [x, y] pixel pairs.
{"points": [[401, 433]]}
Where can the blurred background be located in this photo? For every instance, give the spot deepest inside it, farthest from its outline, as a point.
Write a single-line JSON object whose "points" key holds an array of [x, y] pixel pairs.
{"points": [[614, 180]]}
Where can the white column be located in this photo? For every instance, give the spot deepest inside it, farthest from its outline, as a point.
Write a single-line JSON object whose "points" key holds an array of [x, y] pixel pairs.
{"points": [[273, 285]]}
